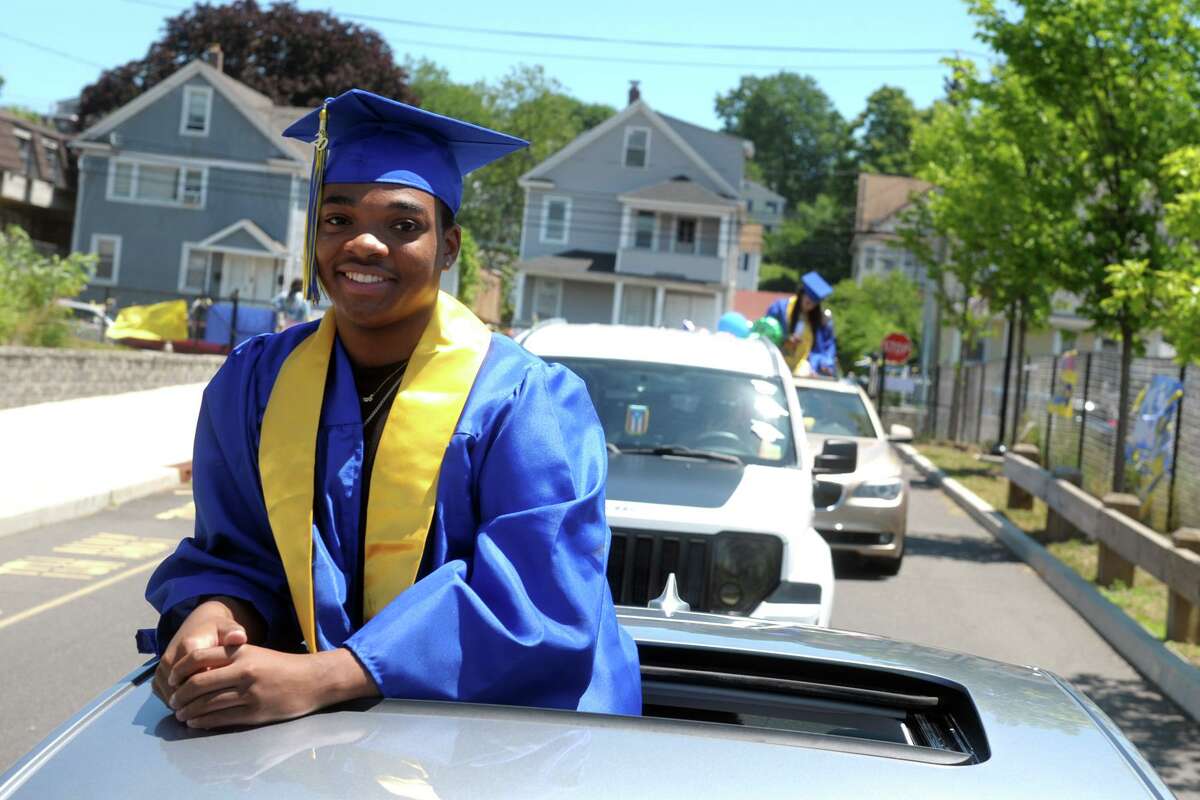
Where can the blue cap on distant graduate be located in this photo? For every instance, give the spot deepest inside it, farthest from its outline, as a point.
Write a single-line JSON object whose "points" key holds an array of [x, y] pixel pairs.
{"points": [[364, 138], [815, 287]]}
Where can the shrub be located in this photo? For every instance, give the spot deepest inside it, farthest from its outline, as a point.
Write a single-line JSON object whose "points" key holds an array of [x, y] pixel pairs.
{"points": [[30, 282]]}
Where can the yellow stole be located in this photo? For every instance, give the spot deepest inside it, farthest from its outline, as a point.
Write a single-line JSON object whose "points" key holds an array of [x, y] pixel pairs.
{"points": [[404, 479], [803, 347]]}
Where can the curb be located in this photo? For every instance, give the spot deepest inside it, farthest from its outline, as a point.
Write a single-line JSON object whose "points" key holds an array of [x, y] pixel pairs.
{"points": [[1176, 678], [164, 478]]}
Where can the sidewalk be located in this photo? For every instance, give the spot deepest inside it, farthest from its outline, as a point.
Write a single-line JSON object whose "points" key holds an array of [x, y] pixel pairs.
{"points": [[67, 459]]}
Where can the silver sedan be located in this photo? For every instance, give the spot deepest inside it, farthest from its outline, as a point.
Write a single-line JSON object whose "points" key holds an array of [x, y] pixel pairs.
{"points": [[864, 511]]}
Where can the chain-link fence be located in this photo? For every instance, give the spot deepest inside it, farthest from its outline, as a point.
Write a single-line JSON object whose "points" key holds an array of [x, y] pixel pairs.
{"points": [[1067, 405]]}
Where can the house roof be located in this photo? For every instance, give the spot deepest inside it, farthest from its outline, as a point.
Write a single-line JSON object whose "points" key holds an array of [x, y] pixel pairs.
{"points": [[760, 189], [269, 118], [717, 148], [10, 158], [679, 190], [881, 196], [572, 263], [681, 134]]}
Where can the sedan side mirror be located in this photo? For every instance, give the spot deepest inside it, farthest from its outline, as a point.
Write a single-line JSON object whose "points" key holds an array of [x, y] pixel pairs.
{"points": [[900, 433], [839, 457]]}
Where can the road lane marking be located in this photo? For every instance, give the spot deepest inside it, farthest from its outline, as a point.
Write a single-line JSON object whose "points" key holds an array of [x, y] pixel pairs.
{"points": [[75, 595], [185, 511], [117, 545], [76, 569]]}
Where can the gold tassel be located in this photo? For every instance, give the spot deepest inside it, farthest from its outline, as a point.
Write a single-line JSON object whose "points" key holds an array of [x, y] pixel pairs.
{"points": [[316, 191]]}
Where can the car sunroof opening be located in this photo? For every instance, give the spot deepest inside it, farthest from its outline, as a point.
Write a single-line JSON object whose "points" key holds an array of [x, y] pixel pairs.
{"points": [[830, 707]]}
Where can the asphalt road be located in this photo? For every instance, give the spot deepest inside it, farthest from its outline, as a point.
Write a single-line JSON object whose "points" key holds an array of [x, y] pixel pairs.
{"points": [[961, 590], [71, 597]]}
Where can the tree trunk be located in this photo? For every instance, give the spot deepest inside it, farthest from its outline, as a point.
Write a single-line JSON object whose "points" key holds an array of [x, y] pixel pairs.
{"points": [[1118, 483], [1002, 434], [1019, 389], [956, 397]]}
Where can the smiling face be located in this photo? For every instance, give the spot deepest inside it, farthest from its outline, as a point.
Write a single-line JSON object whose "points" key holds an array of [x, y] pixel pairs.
{"points": [[381, 252]]}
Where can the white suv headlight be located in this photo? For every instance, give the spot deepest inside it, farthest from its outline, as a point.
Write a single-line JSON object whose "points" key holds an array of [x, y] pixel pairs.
{"points": [[880, 490]]}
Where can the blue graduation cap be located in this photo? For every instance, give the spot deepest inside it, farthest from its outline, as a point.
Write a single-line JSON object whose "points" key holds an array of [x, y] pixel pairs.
{"points": [[815, 286], [362, 137]]}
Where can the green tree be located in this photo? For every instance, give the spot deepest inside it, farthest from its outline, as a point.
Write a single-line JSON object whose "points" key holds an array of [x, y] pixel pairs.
{"points": [[884, 142], [815, 236], [295, 57], [864, 314], [1169, 296], [1121, 77], [799, 137], [30, 282], [468, 269]]}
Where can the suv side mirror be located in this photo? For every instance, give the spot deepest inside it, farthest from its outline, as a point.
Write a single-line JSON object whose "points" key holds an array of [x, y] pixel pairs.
{"points": [[900, 433], [839, 457]]}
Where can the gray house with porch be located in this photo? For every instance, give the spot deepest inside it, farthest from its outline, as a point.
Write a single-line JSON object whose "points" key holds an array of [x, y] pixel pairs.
{"points": [[637, 221]]}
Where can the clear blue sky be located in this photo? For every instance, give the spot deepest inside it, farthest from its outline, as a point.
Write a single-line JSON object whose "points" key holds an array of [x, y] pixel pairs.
{"points": [[110, 32]]}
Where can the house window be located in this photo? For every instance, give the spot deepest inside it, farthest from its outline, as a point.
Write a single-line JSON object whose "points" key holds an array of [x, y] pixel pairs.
{"points": [[709, 233], [766, 228], [643, 237], [197, 111], [637, 147], [108, 258], [772, 207], [685, 235], [745, 262], [556, 217], [201, 271], [193, 187], [53, 164], [25, 152], [547, 298], [157, 184], [749, 205]]}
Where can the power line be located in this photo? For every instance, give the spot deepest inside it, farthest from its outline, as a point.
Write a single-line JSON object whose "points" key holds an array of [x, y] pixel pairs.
{"points": [[45, 49], [572, 37]]}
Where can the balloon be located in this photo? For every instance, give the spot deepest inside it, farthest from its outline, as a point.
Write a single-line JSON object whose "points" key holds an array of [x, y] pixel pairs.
{"points": [[734, 323], [769, 329]]}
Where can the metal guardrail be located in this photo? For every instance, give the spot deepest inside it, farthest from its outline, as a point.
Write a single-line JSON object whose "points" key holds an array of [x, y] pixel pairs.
{"points": [[1127, 539]]}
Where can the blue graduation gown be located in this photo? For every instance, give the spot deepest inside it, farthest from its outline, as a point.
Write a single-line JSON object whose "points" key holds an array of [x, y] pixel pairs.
{"points": [[511, 604], [823, 356]]}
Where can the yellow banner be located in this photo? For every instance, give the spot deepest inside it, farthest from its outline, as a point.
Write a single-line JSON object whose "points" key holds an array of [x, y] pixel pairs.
{"points": [[159, 322]]}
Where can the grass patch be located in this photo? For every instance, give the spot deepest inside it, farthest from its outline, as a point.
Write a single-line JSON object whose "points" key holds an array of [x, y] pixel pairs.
{"points": [[1145, 601]]}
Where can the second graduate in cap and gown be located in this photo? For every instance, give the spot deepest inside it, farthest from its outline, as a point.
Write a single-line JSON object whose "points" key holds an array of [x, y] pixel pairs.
{"points": [[440, 517], [809, 346]]}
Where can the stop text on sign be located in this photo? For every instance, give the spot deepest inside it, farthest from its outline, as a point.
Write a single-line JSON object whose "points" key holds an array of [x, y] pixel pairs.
{"points": [[896, 348]]}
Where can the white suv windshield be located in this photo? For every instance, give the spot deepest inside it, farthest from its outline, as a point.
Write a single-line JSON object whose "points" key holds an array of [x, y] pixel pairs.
{"points": [[834, 413], [667, 406]]}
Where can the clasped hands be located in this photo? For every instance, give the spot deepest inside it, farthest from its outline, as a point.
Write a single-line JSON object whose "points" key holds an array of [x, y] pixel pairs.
{"points": [[211, 675]]}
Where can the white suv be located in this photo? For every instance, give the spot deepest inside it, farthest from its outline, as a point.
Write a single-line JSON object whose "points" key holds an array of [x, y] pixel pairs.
{"points": [[709, 474]]}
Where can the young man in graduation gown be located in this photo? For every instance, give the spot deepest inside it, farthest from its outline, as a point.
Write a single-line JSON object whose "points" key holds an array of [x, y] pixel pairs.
{"points": [[809, 346], [392, 501]]}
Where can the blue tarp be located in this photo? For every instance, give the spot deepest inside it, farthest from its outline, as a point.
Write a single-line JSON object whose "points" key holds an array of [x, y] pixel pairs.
{"points": [[251, 321]]}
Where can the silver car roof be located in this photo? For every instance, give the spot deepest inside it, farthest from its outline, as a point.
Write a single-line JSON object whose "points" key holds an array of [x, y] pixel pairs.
{"points": [[1044, 742]]}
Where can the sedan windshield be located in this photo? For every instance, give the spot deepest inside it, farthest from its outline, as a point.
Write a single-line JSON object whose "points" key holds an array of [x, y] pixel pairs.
{"points": [[834, 413], [674, 409]]}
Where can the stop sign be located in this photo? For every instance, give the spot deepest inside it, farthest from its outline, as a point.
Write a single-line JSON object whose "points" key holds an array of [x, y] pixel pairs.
{"points": [[896, 348]]}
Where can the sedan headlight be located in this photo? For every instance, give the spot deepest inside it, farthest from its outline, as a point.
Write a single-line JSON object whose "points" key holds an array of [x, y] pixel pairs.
{"points": [[880, 490]]}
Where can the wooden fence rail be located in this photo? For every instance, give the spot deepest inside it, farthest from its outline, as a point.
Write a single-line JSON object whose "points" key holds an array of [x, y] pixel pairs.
{"points": [[1126, 538]]}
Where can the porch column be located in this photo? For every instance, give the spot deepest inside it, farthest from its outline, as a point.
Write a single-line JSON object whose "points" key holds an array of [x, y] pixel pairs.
{"points": [[616, 306], [519, 300], [660, 298], [625, 215]]}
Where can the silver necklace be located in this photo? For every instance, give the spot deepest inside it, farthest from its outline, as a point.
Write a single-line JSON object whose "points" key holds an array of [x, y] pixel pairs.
{"points": [[375, 411], [370, 398]]}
